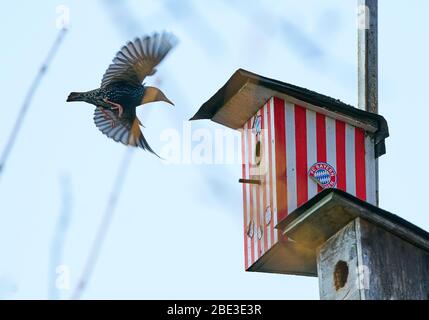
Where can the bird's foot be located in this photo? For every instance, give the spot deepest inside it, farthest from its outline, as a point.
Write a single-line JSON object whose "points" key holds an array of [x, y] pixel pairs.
{"points": [[115, 106], [108, 117]]}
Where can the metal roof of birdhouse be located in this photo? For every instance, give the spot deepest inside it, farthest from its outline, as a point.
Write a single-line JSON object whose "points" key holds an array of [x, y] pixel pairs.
{"points": [[245, 92]]}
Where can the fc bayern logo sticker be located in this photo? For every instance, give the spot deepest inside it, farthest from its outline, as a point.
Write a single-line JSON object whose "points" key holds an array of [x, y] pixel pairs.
{"points": [[323, 174]]}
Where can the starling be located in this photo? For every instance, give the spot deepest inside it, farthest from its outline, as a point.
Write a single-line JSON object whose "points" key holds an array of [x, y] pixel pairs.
{"points": [[121, 89]]}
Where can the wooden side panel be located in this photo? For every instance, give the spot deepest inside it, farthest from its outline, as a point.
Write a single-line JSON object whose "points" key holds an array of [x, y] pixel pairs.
{"points": [[379, 265], [292, 139], [304, 137], [337, 258], [259, 201], [395, 268]]}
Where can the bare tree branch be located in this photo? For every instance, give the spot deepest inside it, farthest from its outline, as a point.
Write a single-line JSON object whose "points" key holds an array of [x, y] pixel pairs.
{"points": [[29, 97], [104, 226]]}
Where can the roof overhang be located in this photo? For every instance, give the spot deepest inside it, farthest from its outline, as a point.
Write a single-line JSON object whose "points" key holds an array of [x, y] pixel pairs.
{"points": [[328, 212], [245, 92]]}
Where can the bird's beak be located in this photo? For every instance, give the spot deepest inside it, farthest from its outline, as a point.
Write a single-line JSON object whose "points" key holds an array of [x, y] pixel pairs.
{"points": [[153, 94]]}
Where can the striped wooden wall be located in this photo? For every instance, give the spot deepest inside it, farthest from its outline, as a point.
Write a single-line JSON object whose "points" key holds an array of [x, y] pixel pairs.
{"points": [[292, 139]]}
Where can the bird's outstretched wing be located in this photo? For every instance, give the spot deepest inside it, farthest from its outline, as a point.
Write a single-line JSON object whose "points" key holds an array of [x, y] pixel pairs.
{"points": [[125, 129], [138, 59]]}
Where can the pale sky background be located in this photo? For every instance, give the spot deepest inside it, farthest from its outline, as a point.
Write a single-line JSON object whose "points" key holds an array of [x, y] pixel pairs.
{"points": [[177, 230]]}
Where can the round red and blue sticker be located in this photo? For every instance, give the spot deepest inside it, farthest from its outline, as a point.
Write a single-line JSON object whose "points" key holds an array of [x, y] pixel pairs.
{"points": [[323, 174]]}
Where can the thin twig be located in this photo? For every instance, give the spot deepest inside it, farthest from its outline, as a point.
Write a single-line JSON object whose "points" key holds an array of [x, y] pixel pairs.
{"points": [[60, 235], [28, 98], [105, 223]]}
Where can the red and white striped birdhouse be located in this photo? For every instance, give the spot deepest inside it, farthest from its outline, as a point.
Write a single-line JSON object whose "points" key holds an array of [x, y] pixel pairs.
{"points": [[295, 143]]}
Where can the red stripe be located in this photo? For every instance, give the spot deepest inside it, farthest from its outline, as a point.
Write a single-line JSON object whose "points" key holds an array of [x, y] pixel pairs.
{"points": [[250, 186], [243, 157], [272, 182], [263, 186], [360, 163], [340, 137], [301, 154], [280, 138], [321, 140]]}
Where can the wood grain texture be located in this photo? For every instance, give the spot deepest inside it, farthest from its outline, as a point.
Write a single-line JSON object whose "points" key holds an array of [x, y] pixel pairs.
{"points": [[381, 265], [397, 268], [341, 247]]}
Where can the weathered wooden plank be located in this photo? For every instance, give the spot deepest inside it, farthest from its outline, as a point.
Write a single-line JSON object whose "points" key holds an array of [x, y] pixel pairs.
{"points": [[366, 262], [253, 96], [368, 55], [396, 268], [337, 266], [287, 257], [329, 211]]}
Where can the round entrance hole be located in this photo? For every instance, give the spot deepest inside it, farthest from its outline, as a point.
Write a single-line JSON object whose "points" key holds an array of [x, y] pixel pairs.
{"points": [[258, 153], [341, 273]]}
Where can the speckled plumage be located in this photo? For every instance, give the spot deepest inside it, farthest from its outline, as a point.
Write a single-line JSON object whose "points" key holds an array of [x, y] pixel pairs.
{"points": [[122, 85], [123, 93]]}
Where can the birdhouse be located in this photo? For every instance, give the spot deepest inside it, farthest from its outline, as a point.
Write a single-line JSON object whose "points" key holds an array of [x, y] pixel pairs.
{"points": [[295, 143]]}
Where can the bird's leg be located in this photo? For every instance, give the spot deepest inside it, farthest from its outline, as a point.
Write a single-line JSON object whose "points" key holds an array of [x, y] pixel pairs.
{"points": [[108, 117], [115, 106], [105, 114]]}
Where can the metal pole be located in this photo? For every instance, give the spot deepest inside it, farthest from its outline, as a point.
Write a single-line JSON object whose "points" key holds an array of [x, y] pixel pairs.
{"points": [[368, 63]]}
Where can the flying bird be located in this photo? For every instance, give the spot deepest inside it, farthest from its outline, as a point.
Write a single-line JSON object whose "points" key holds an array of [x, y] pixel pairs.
{"points": [[121, 89]]}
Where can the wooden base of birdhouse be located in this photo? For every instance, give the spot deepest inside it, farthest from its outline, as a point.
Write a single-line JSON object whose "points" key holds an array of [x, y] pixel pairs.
{"points": [[287, 257], [362, 251]]}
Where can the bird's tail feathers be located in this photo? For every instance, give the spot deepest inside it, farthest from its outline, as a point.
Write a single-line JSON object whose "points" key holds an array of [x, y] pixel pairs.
{"points": [[137, 139], [124, 130]]}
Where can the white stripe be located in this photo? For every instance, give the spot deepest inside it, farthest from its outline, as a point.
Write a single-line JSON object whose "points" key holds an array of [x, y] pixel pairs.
{"points": [[350, 160], [246, 159], [370, 170], [267, 177], [331, 149], [254, 207], [290, 157], [311, 150], [260, 188], [273, 168]]}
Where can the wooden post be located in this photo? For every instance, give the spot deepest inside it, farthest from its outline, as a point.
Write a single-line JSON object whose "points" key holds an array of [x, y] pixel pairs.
{"points": [[367, 25], [368, 55], [362, 251]]}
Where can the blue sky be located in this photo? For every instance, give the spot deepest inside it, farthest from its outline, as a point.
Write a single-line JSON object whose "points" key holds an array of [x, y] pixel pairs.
{"points": [[176, 232]]}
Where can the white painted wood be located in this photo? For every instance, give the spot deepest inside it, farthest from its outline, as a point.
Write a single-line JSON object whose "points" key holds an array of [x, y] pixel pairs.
{"points": [[290, 156], [350, 160]]}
